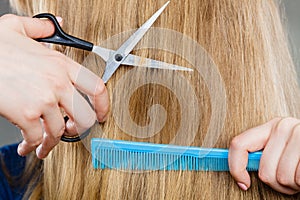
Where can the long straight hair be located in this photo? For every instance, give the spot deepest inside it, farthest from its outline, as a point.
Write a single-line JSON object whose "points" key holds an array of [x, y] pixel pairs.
{"points": [[248, 47]]}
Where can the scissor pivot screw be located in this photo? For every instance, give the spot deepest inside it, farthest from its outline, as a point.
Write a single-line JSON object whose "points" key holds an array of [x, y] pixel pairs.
{"points": [[118, 57]]}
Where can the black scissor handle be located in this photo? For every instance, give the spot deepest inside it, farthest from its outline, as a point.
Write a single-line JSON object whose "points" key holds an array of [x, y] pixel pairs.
{"points": [[76, 138], [60, 37]]}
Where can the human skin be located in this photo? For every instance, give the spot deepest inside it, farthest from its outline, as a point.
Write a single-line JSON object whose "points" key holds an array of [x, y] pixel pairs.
{"points": [[37, 83], [279, 166]]}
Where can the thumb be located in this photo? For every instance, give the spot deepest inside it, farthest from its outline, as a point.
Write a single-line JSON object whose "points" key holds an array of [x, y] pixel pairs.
{"points": [[31, 27], [38, 28], [251, 140]]}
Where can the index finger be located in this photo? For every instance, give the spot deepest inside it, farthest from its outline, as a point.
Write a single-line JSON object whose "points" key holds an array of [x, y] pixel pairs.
{"points": [[251, 140], [92, 85]]}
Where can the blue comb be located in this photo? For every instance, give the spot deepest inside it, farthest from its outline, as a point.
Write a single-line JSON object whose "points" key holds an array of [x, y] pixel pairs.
{"points": [[140, 156]]}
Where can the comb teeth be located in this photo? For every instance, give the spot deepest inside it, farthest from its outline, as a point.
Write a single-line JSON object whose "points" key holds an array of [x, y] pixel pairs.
{"points": [[140, 156]]}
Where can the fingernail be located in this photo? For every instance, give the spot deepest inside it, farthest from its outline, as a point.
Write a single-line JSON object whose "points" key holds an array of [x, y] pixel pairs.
{"points": [[242, 186], [38, 151], [20, 150], [59, 19]]}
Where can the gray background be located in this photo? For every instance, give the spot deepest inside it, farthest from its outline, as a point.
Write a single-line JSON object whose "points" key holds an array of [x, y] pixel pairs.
{"points": [[10, 134]]}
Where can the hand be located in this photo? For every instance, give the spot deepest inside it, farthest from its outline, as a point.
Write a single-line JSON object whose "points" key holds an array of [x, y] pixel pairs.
{"points": [[279, 165], [36, 82]]}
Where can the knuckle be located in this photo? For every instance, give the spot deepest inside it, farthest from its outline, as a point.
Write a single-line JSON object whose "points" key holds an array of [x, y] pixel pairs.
{"points": [[10, 18], [36, 143], [100, 89], [59, 132], [53, 138], [14, 22], [60, 85], [236, 143], [33, 143], [265, 177], [31, 114], [56, 74], [296, 133], [59, 60], [284, 124], [283, 179], [48, 101]]}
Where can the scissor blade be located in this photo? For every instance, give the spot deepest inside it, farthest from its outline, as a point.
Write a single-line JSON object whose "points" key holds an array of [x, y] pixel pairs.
{"points": [[129, 45], [133, 60], [103, 52], [120, 55]]}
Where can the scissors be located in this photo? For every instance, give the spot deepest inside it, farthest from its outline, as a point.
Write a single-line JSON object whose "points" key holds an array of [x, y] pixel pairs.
{"points": [[112, 58]]}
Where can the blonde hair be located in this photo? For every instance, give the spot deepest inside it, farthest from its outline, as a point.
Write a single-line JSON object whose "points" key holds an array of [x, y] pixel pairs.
{"points": [[247, 43]]}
